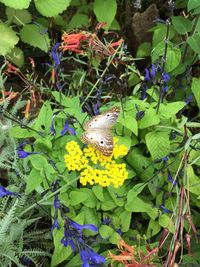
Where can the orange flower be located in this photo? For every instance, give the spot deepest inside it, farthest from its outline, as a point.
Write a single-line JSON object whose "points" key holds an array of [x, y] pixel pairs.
{"points": [[27, 110], [72, 42], [8, 96]]}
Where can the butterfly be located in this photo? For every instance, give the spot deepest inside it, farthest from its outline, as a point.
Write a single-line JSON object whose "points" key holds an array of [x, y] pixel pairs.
{"points": [[98, 131]]}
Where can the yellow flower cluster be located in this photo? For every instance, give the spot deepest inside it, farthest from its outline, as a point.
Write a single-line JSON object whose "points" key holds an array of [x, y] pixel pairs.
{"points": [[94, 167]]}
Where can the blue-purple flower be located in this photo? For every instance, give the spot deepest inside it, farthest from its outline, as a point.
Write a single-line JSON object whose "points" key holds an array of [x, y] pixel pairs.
{"points": [[55, 54], [90, 258], [67, 128], [5, 192], [23, 154], [170, 179], [188, 100]]}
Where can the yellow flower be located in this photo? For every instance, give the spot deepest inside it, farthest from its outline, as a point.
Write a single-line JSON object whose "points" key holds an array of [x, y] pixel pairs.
{"points": [[94, 167]]}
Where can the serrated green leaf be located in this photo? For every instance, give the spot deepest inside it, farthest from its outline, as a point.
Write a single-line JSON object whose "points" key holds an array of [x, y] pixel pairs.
{"points": [[150, 118], [16, 56], [18, 132], [101, 9], [173, 56], [144, 50], [18, 17], [35, 36], [181, 24], [51, 8], [194, 41], [138, 205], [159, 34], [140, 164], [158, 144], [170, 109], [8, 39], [130, 123], [44, 119], [195, 90], [33, 180], [17, 4]]}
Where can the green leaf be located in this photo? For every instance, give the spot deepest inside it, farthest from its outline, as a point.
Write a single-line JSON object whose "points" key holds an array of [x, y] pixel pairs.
{"points": [[166, 222], [125, 220], [181, 24], [98, 191], [158, 144], [44, 119], [153, 228], [60, 253], [35, 36], [8, 39], [106, 231], [130, 123], [144, 50], [105, 11], [150, 118], [17, 4], [16, 56], [18, 132], [194, 41], [195, 90], [51, 8], [115, 238], [193, 4], [18, 17], [173, 56], [77, 197], [169, 110], [138, 205], [140, 164], [194, 181], [77, 21], [159, 34], [34, 179]]}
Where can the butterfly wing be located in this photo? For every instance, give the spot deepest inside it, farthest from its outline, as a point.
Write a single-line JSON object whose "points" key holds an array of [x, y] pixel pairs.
{"points": [[101, 139], [105, 120]]}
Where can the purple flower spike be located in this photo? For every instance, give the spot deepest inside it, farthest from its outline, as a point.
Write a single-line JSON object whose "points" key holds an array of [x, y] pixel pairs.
{"points": [[55, 55], [23, 154], [165, 76], [147, 75], [67, 128], [153, 71], [170, 179], [5, 192], [187, 101]]}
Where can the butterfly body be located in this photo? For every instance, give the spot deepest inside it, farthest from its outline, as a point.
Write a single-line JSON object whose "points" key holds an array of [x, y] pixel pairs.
{"points": [[98, 131]]}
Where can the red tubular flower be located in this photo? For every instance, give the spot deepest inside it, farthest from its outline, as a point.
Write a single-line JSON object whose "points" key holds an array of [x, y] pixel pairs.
{"points": [[72, 42], [27, 110]]}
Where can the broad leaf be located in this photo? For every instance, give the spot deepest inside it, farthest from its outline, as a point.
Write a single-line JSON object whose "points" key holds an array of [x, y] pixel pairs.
{"points": [[158, 144], [16, 4], [105, 10], [36, 36], [51, 8], [195, 90], [8, 39]]}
